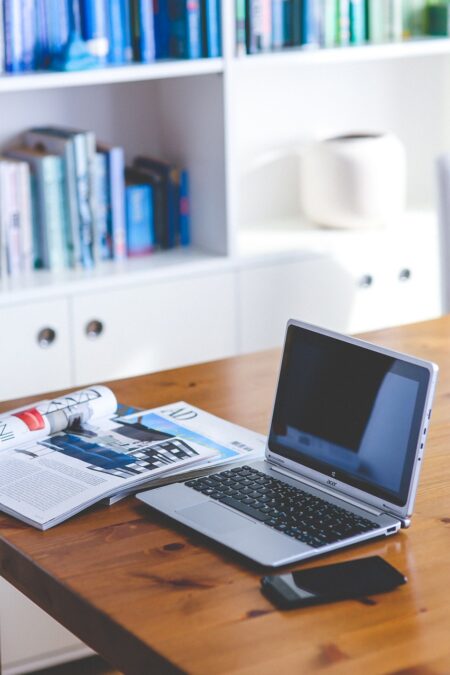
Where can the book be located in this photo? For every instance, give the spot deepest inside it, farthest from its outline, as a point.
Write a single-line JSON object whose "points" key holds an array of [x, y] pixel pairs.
{"points": [[210, 17], [16, 209], [329, 22], [414, 17], [143, 30], [357, 15], [45, 138], [60, 456], [140, 227], [310, 23], [117, 25], [53, 29], [162, 28], [13, 40], [102, 250], [167, 215], [258, 25], [185, 210], [28, 25], [2, 40], [343, 23], [116, 191], [185, 41], [240, 28], [48, 172], [94, 27], [278, 25]]}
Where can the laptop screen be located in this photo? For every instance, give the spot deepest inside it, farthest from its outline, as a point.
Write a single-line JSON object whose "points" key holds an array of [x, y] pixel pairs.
{"points": [[349, 412]]}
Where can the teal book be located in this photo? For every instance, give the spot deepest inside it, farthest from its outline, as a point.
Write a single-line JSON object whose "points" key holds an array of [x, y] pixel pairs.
{"points": [[48, 172], [83, 157], [102, 203], [414, 17], [329, 22], [358, 35], [45, 139], [343, 23]]}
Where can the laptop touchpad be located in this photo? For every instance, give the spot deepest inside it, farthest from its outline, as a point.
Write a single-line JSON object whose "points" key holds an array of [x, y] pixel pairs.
{"points": [[214, 517]]}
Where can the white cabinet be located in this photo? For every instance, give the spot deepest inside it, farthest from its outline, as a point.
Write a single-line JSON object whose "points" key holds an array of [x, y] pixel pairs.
{"points": [[30, 638], [35, 353], [137, 329]]}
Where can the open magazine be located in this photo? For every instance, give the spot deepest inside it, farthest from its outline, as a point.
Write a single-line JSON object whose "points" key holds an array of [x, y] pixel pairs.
{"points": [[60, 456]]}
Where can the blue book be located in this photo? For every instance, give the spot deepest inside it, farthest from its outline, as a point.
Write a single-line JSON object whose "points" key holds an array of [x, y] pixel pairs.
{"points": [[185, 29], [140, 237], [94, 27], [117, 242], [278, 37], [357, 22], [185, 210], [143, 30], [120, 47], [287, 23], [310, 24], [162, 29], [29, 34], [101, 239], [53, 28], [210, 14], [12, 20]]}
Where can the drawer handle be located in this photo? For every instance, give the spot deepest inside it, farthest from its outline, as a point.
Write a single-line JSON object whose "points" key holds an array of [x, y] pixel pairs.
{"points": [[404, 274], [46, 337], [365, 281], [94, 329]]}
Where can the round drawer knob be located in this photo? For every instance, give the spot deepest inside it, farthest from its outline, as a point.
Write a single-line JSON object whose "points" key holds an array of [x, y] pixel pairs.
{"points": [[94, 329], [404, 274], [46, 337], [365, 281]]}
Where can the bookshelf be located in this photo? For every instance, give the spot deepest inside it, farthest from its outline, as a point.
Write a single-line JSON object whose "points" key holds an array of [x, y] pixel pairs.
{"points": [[238, 124]]}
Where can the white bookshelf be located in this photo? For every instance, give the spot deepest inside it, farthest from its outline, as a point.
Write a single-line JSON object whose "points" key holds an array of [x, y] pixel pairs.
{"points": [[238, 124]]}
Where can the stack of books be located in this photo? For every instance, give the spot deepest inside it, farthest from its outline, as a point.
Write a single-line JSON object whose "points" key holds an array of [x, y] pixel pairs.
{"points": [[68, 201], [77, 34], [264, 25]]}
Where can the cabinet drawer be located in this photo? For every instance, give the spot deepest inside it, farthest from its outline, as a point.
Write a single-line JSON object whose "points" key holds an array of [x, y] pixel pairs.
{"points": [[34, 348], [134, 330]]}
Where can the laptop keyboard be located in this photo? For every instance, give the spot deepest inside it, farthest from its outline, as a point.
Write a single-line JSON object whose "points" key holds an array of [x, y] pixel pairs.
{"points": [[288, 509]]}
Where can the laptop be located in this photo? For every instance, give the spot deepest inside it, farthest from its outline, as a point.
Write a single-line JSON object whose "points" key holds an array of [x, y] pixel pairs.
{"points": [[342, 459]]}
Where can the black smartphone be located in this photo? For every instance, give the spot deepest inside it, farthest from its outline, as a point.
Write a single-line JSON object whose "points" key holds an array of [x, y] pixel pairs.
{"points": [[353, 579]]}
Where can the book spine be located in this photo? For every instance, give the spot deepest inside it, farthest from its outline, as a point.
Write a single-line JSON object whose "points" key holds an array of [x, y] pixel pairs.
{"points": [[162, 28], [101, 247], [394, 11], [12, 220], [297, 17], [210, 14], [147, 31], [26, 222], [343, 23], [116, 52], [414, 17], [94, 25], [310, 23], [357, 22], [42, 49], [29, 24], [13, 36], [57, 26], [258, 24], [278, 23], [126, 28], [377, 23], [53, 196], [83, 188], [139, 220], [329, 10], [116, 175], [240, 28], [2, 39], [185, 211]]}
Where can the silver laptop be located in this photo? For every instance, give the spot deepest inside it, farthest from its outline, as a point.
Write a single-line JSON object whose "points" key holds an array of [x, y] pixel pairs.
{"points": [[342, 459]]}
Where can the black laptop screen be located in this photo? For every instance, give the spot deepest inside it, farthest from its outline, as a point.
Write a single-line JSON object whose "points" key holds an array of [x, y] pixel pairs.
{"points": [[349, 412]]}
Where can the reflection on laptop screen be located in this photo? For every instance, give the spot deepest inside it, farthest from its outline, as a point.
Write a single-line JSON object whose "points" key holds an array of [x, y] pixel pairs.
{"points": [[349, 412]]}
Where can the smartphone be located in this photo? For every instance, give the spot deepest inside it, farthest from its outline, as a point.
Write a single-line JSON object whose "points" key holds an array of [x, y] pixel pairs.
{"points": [[353, 579]]}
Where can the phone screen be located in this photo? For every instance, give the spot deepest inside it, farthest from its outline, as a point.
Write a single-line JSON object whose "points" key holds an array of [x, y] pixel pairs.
{"points": [[366, 576]]}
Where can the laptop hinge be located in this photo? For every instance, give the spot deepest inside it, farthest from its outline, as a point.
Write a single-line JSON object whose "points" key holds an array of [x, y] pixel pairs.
{"points": [[323, 488]]}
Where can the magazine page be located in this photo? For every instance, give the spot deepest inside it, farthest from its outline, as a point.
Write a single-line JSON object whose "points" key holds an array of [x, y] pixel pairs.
{"points": [[229, 443], [33, 423], [44, 482]]}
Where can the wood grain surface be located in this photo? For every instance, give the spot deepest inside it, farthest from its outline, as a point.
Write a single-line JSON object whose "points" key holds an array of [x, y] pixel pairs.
{"points": [[151, 597]]}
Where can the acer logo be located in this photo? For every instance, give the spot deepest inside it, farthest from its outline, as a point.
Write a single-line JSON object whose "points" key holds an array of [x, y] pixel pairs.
{"points": [[331, 482]]}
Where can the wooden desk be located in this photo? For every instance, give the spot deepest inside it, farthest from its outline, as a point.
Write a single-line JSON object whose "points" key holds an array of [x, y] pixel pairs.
{"points": [[151, 598]]}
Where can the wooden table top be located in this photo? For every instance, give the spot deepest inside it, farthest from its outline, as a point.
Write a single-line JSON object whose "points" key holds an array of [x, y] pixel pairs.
{"points": [[151, 597]]}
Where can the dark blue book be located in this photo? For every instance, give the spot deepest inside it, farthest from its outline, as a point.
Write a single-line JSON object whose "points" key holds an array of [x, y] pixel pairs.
{"points": [[185, 210], [139, 210], [278, 37], [54, 28], [143, 30], [297, 22], [94, 27], [287, 23], [162, 28], [210, 14], [12, 20], [185, 29]]}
